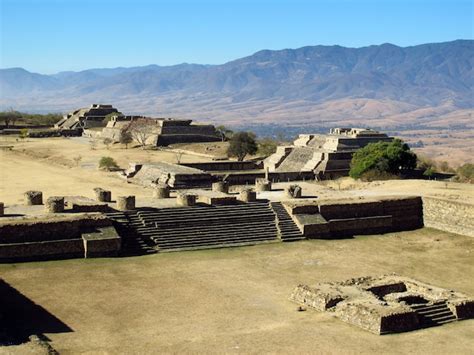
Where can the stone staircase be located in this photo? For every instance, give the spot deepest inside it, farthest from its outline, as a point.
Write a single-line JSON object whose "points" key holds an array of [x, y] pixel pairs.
{"points": [[133, 243], [200, 227], [435, 314], [288, 230]]}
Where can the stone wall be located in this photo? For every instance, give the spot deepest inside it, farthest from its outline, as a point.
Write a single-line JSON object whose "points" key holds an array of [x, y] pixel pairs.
{"points": [[450, 216], [42, 250]]}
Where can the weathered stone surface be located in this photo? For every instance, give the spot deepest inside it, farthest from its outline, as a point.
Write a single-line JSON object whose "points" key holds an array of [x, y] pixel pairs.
{"points": [[161, 192], [220, 186], [247, 195], [450, 216], [103, 195], [33, 198], [186, 199], [263, 185], [293, 191], [125, 203], [55, 204], [386, 304]]}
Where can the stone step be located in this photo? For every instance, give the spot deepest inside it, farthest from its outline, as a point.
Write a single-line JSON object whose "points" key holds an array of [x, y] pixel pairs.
{"points": [[234, 233], [215, 246], [432, 312], [213, 241], [209, 216], [210, 236]]}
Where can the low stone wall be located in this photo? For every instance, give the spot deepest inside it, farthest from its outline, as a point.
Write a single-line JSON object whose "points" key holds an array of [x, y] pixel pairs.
{"points": [[360, 226], [224, 165], [22, 231], [105, 242], [42, 250], [450, 216]]}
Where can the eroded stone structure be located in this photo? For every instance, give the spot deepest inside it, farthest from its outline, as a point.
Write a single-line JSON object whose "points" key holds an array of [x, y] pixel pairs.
{"points": [[328, 156], [84, 118], [386, 304]]}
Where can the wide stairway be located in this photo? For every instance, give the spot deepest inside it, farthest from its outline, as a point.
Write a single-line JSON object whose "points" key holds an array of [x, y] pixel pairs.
{"points": [[132, 242], [288, 229], [198, 227], [436, 314]]}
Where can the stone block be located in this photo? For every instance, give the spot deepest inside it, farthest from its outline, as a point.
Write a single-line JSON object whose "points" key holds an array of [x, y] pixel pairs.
{"points": [[293, 191], [33, 198], [125, 203], [248, 195], [220, 186], [263, 185], [103, 195], [2, 209], [55, 204], [161, 192], [184, 199]]}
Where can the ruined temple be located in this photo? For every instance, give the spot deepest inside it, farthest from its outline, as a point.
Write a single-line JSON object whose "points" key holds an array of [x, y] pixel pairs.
{"points": [[164, 131], [88, 117], [328, 156]]}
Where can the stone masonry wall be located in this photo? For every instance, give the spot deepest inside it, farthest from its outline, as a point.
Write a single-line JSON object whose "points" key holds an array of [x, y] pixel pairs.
{"points": [[450, 216]]}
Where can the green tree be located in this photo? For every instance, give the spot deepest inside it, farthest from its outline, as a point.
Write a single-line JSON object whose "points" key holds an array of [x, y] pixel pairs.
{"points": [[224, 132], [23, 133], [382, 157], [466, 172], [241, 144], [429, 172], [267, 146], [107, 163], [10, 117], [126, 138]]}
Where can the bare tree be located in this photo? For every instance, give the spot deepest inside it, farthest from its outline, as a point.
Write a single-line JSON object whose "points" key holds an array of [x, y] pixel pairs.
{"points": [[178, 154], [141, 130]]}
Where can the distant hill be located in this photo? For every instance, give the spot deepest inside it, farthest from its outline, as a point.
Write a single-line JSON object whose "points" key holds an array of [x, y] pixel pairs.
{"points": [[300, 86]]}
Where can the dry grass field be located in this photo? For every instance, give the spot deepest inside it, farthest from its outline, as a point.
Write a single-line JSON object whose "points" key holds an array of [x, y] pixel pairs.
{"points": [[224, 300], [236, 300]]}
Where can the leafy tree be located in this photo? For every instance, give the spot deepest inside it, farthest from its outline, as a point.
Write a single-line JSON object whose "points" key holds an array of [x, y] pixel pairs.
{"points": [[466, 172], [10, 117], [224, 132], [383, 157], [107, 142], [126, 138], [267, 146], [241, 144], [107, 163]]}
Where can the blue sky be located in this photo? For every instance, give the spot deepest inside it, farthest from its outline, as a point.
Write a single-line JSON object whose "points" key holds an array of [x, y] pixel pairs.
{"points": [[48, 36]]}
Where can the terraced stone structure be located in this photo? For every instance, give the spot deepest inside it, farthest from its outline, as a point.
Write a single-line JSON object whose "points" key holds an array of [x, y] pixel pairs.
{"points": [[84, 118], [386, 304], [328, 156]]}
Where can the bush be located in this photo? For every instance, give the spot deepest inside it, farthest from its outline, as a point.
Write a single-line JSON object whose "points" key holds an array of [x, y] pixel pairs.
{"points": [[382, 157], [107, 163], [267, 147]]}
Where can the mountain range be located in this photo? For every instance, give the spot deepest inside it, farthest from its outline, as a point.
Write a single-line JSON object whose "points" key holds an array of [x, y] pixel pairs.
{"points": [[382, 85]]}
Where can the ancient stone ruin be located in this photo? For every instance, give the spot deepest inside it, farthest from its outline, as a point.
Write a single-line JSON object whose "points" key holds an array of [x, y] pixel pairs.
{"points": [[84, 118], [386, 304], [327, 156]]}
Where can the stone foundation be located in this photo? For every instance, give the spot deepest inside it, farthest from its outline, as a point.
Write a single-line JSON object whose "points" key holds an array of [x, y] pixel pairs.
{"points": [[220, 186], [102, 195], [386, 304], [248, 195], [33, 198], [185, 199], [55, 204], [161, 192], [263, 185], [125, 203]]}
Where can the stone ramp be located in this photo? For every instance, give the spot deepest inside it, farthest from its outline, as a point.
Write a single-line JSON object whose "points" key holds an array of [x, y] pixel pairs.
{"points": [[201, 227], [288, 229]]}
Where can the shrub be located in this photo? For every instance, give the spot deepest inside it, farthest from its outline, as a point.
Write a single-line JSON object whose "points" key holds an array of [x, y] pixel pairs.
{"points": [[466, 172], [107, 163]]}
